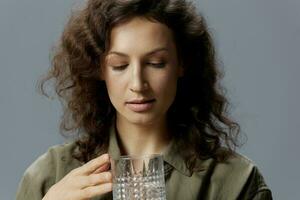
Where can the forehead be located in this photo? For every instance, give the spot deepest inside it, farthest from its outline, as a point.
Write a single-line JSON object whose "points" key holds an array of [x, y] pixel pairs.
{"points": [[140, 34]]}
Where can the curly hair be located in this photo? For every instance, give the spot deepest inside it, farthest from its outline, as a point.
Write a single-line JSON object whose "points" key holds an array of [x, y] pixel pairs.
{"points": [[199, 113]]}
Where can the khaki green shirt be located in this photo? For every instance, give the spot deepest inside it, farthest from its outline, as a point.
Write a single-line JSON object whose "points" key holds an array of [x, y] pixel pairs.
{"points": [[238, 178]]}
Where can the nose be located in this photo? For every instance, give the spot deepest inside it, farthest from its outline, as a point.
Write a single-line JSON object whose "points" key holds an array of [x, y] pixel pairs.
{"points": [[138, 82]]}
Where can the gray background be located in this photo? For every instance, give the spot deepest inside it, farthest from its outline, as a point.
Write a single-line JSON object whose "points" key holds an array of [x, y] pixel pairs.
{"points": [[258, 43]]}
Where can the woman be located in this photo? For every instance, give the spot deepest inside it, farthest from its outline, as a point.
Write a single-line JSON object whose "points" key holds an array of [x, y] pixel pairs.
{"points": [[140, 77]]}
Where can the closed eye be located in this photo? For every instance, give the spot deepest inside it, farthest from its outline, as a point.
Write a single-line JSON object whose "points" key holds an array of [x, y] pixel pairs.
{"points": [[119, 67], [158, 65], [122, 67]]}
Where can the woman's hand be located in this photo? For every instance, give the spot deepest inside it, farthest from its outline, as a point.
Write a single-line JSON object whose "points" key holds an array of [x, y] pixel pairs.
{"points": [[85, 182]]}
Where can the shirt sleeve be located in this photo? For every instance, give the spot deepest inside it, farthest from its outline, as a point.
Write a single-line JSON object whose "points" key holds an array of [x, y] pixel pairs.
{"points": [[26, 189], [263, 195], [37, 179], [256, 188]]}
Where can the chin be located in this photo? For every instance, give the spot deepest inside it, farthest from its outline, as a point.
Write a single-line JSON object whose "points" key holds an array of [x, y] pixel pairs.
{"points": [[141, 118]]}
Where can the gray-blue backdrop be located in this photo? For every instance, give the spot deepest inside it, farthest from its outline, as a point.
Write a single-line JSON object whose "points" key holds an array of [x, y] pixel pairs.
{"points": [[258, 44]]}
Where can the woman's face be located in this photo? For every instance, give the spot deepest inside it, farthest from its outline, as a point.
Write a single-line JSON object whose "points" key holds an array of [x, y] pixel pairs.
{"points": [[141, 71]]}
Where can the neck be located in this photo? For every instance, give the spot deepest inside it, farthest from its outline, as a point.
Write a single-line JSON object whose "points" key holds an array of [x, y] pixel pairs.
{"points": [[137, 139]]}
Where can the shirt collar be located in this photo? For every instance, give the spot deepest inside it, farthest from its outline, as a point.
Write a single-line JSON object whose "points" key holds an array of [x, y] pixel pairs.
{"points": [[172, 154]]}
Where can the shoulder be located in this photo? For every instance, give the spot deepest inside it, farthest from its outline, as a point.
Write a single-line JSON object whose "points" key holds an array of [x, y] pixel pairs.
{"points": [[254, 184], [57, 156], [240, 175], [236, 165], [46, 170]]}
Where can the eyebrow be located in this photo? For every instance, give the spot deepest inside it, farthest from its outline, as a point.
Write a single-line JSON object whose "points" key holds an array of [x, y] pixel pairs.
{"points": [[147, 54]]}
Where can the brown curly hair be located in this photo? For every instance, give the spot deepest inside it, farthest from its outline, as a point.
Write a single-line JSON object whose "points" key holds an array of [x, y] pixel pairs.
{"points": [[199, 113]]}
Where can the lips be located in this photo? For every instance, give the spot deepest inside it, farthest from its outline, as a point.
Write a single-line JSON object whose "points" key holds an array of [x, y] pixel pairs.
{"points": [[140, 105], [141, 101]]}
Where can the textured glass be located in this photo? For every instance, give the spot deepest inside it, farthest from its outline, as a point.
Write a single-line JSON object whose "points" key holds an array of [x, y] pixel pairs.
{"points": [[138, 178]]}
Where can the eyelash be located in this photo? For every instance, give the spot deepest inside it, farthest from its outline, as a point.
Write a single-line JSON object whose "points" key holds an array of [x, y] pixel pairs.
{"points": [[119, 68], [157, 65]]}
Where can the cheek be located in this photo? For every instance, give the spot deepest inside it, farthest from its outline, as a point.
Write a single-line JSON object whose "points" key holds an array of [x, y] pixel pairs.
{"points": [[166, 86], [114, 88]]}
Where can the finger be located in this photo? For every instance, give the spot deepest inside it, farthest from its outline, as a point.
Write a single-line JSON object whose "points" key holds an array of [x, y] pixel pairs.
{"points": [[95, 179], [93, 191], [103, 168], [94, 164]]}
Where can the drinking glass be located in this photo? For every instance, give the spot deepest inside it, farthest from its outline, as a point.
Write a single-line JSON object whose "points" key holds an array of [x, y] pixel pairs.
{"points": [[138, 178]]}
